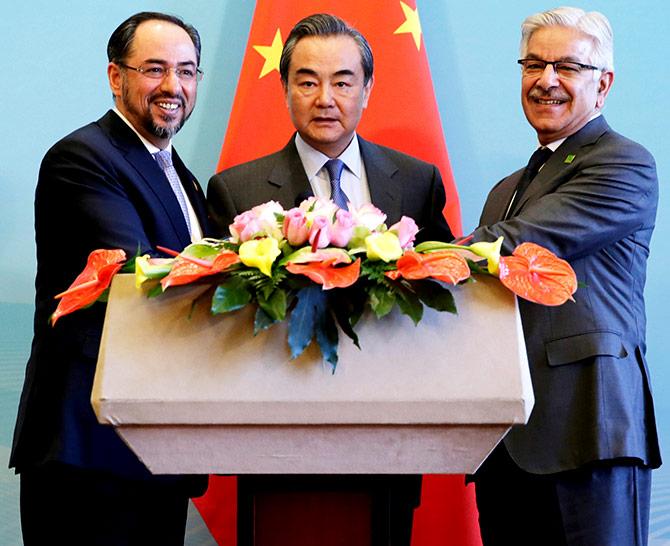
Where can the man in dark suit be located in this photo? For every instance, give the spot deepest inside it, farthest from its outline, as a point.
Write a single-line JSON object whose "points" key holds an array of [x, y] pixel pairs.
{"points": [[327, 73], [101, 187], [326, 69], [580, 471]]}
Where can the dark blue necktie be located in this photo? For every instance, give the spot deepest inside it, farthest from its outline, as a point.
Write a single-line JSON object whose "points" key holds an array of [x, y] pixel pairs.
{"points": [[334, 168]]}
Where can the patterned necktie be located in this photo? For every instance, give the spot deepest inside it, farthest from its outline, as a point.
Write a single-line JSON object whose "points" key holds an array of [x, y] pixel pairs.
{"points": [[334, 168], [164, 159], [539, 158]]}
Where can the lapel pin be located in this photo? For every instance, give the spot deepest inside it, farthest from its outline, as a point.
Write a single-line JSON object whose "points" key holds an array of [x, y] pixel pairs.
{"points": [[569, 158]]}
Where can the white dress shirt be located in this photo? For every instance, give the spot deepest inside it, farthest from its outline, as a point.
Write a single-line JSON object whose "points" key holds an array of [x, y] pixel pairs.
{"points": [[354, 181]]}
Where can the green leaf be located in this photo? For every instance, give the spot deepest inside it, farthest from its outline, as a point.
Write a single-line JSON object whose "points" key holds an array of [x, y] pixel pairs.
{"points": [[409, 304], [435, 295], [304, 317], [275, 306], [432, 246], [382, 299], [231, 295], [155, 290], [104, 297], [201, 250], [262, 321]]}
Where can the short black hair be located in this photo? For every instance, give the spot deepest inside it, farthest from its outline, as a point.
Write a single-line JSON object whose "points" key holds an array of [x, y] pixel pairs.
{"points": [[121, 39], [325, 24]]}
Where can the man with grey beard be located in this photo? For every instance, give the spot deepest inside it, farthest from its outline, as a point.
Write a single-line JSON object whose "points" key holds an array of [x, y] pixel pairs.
{"points": [[115, 183]]}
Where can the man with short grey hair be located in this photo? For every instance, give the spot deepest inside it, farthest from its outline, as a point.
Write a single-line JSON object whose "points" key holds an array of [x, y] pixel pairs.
{"points": [[580, 471]]}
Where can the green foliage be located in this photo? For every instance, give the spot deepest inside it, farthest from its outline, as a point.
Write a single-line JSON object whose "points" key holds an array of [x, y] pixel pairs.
{"points": [[232, 294]]}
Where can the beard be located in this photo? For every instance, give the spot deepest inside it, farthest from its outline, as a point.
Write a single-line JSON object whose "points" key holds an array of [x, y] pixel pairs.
{"points": [[169, 126]]}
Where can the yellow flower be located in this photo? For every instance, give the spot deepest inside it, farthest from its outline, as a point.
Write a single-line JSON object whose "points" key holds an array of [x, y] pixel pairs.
{"points": [[260, 253], [383, 246], [490, 251], [147, 268]]}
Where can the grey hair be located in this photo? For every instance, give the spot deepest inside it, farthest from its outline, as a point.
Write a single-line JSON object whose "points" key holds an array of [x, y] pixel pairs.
{"points": [[325, 24], [594, 24]]}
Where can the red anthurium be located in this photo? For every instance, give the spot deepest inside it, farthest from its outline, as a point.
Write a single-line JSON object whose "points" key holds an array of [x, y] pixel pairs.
{"points": [[188, 269], [325, 274], [538, 275], [443, 265], [96, 277]]}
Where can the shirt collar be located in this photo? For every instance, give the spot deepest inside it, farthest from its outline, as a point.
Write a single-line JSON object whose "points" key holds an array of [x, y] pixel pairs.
{"points": [[313, 160], [148, 145], [556, 143]]}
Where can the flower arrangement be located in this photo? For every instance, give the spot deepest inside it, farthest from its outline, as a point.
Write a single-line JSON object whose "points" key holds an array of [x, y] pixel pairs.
{"points": [[320, 267]]}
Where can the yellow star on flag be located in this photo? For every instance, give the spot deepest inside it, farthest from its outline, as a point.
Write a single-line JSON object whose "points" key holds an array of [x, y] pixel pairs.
{"points": [[271, 54], [412, 25]]}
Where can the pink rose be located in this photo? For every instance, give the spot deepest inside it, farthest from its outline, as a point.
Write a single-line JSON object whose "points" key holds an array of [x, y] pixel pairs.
{"points": [[319, 233], [295, 227], [244, 227], [343, 228], [406, 231]]}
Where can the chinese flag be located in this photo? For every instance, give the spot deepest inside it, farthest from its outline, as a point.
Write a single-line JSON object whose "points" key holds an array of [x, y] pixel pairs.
{"points": [[402, 114]]}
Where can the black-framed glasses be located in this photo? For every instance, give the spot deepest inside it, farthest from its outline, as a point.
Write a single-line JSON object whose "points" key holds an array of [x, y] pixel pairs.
{"points": [[564, 69], [158, 71]]}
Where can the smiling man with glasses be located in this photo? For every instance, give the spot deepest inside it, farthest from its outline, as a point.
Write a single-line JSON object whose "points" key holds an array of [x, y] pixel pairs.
{"points": [[579, 473], [115, 183]]}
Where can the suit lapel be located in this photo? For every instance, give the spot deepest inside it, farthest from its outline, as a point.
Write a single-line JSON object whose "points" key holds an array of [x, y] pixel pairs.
{"points": [[288, 174], [148, 172], [551, 175], [385, 190]]}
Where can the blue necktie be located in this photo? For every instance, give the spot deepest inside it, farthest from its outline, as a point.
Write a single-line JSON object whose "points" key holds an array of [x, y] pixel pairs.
{"points": [[334, 168], [164, 159]]}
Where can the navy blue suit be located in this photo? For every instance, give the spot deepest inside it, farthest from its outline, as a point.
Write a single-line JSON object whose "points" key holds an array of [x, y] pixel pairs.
{"points": [[98, 187]]}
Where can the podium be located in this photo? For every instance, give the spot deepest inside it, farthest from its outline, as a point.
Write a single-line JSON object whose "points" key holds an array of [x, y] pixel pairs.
{"points": [[192, 393]]}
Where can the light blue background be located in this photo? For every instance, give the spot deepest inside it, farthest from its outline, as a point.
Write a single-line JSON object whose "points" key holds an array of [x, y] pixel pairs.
{"points": [[53, 68]]}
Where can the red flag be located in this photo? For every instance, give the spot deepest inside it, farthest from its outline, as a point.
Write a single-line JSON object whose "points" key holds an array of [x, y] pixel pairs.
{"points": [[402, 114]]}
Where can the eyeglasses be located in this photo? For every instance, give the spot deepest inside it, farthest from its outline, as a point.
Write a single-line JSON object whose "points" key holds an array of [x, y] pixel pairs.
{"points": [[564, 69], [158, 72]]}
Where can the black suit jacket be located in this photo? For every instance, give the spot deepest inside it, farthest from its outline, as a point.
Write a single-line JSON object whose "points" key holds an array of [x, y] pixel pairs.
{"points": [[399, 185], [593, 204], [99, 187]]}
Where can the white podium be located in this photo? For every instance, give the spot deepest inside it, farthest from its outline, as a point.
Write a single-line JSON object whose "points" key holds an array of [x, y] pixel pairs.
{"points": [[192, 393]]}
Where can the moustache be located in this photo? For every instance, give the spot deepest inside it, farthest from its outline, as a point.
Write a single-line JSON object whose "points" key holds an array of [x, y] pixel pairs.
{"points": [[537, 93]]}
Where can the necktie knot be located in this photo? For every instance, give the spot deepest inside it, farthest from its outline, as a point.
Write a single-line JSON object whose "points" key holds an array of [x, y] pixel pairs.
{"points": [[539, 158], [334, 168], [164, 159]]}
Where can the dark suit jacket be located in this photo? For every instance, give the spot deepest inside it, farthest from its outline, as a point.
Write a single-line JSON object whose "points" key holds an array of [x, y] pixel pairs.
{"points": [[99, 187], [399, 185], [593, 204]]}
